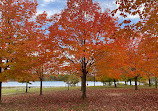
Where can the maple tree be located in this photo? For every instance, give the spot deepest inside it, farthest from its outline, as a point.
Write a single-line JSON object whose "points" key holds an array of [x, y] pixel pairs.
{"points": [[46, 56], [126, 59], [81, 32], [112, 63], [15, 16], [147, 11], [149, 48]]}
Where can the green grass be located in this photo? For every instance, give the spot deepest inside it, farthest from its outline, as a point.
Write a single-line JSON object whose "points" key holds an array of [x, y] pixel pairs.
{"points": [[18, 90]]}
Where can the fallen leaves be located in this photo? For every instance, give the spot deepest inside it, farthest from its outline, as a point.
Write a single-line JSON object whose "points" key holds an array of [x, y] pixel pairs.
{"points": [[98, 99]]}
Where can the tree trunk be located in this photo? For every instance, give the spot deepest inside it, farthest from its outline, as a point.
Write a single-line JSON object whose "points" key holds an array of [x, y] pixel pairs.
{"points": [[109, 83], [149, 82], [155, 82], [84, 85], [81, 83], [136, 86], [125, 82], [0, 88], [26, 86], [40, 86], [130, 82], [94, 80], [115, 83], [68, 86], [0, 92]]}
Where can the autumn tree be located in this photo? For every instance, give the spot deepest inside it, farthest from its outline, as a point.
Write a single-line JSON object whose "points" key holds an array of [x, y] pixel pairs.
{"points": [[147, 24], [149, 49], [113, 61], [82, 31], [133, 57], [15, 16]]}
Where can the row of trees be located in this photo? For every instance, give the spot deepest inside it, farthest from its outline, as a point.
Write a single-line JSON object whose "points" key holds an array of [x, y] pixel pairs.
{"points": [[81, 40]]}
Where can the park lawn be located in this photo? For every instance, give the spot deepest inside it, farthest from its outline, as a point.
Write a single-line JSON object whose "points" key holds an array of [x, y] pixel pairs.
{"points": [[98, 99], [20, 90]]}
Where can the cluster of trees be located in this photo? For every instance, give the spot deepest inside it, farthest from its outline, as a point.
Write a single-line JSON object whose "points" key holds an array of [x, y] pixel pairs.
{"points": [[81, 40]]}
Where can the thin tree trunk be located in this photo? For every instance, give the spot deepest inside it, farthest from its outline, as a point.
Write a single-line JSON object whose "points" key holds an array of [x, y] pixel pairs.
{"points": [[0, 87], [155, 82], [26, 86], [149, 82], [40, 86], [130, 82], [115, 83], [109, 83], [81, 83], [136, 86], [0, 92], [125, 82], [68, 86], [94, 79], [84, 85]]}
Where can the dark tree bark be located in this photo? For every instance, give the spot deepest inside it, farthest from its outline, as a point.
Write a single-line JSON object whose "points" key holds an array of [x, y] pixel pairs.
{"points": [[68, 86], [155, 82], [40, 85], [94, 79], [115, 83], [0, 92], [125, 82], [84, 85], [149, 82], [130, 82], [109, 83], [26, 87], [136, 86], [0, 88], [81, 83]]}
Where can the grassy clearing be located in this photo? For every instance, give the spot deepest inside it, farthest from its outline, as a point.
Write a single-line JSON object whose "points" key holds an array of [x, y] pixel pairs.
{"points": [[19, 90]]}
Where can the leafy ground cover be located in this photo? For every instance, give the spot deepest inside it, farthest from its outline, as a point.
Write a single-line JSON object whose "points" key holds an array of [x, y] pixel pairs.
{"points": [[98, 99]]}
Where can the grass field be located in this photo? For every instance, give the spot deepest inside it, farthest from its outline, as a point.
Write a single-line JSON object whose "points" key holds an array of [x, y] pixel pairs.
{"points": [[123, 98], [19, 90]]}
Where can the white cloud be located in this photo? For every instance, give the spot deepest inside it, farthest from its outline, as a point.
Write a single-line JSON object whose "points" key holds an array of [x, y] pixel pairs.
{"points": [[129, 16], [112, 5], [108, 4], [47, 1], [133, 16], [49, 12]]}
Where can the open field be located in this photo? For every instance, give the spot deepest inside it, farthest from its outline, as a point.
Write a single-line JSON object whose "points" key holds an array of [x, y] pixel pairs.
{"points": [[98, 99], [20, 90]]}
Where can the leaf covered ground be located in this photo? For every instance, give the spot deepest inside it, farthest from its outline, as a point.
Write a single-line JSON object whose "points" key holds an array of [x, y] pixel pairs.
{"points": [[98, 99]]}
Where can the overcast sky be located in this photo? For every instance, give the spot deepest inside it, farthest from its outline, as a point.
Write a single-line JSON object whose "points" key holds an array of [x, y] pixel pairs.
{"points": [[55, 6]]}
